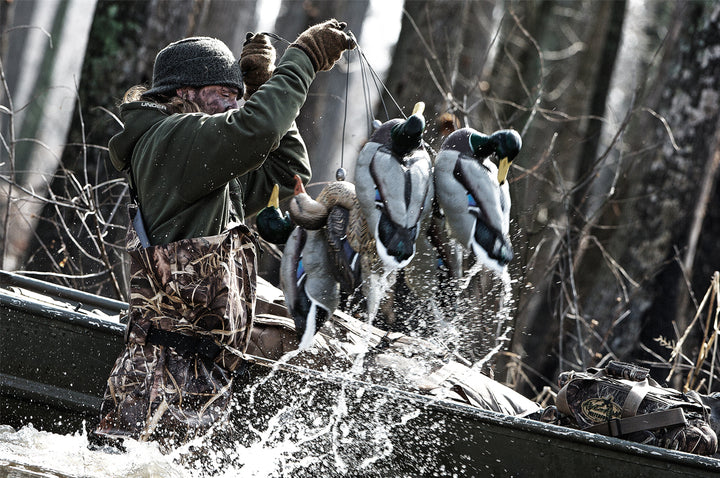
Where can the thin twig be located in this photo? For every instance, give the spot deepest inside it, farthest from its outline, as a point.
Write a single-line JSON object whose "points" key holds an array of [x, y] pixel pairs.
{"points": [[10, 148]]}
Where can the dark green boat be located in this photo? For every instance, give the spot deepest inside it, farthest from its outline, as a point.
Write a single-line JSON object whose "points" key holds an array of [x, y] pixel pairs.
{"points": [[57, 346]]}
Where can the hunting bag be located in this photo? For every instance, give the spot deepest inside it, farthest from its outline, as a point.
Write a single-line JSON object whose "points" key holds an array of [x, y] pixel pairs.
{"points": [[621, 400]]}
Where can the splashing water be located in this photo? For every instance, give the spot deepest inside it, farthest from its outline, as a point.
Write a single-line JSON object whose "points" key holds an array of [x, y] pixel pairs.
{"points": [[478, 322], [282, 424], [289, 442], [68, 455], [306, 428]]}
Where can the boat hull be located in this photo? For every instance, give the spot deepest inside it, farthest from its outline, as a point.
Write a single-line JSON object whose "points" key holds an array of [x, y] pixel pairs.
{"points": [[57, 348], [376, 431]]}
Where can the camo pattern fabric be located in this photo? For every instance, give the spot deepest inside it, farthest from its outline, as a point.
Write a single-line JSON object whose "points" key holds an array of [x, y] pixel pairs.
{"points": [[197, 287], [593, 398]]}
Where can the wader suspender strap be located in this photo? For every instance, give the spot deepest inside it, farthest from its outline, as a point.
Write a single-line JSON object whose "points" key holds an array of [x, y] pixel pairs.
{"points": [[137, 219], [139, 226]]}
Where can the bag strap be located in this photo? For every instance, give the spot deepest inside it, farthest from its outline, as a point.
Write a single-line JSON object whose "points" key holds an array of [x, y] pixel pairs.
{"points": [[561, 401], [625, 426], [634, 398]]}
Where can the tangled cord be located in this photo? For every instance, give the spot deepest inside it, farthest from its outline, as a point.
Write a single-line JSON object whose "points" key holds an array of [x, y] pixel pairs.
{"points": [[370, 81]]}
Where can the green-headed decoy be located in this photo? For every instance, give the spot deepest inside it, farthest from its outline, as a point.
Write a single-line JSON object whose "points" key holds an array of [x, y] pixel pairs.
{"points": [[406, 136], [473, 192], [393, 181], [271, 224]]}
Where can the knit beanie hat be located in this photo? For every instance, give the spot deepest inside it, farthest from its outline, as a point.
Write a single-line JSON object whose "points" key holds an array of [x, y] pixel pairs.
{"points": [[197, 62]]}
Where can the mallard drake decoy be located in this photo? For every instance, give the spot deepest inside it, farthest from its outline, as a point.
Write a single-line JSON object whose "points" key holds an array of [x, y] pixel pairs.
{"points": [[406, 136], [306, 277], [393, 181], [473, 192], [271, 224]]}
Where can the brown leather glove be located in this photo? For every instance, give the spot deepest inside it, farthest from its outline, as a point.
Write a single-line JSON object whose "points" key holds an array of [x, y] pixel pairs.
{"points": [[257, 62], [324, 43]]}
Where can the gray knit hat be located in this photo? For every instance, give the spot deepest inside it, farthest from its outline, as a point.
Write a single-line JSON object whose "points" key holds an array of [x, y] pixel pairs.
{"points": [[195, 61]]}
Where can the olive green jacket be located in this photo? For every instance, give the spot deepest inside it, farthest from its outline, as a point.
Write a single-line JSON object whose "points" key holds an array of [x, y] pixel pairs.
{"points": [[187, 168]]}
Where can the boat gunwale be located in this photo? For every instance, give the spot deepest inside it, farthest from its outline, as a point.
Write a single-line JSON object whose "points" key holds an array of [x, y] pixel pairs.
{"points": [[61, 292], [48, 310], [518, 422]]}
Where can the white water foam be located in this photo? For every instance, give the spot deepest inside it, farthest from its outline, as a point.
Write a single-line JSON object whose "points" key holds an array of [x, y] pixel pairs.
{"points": [[68, 455]]}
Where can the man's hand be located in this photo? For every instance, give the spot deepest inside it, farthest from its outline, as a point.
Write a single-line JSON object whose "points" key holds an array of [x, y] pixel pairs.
{"points": [[324, 43], [257, 62]]}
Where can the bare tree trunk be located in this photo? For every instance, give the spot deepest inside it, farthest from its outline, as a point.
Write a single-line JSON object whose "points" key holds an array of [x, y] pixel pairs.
{"points": [[626, 290], [321, 118], [41, 70], [439, 59], [86, 248], [228, 20], [669, 185], [587, 66]]}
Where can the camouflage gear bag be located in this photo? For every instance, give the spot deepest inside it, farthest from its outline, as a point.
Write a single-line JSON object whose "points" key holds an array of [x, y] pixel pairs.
{"points": [[191, 309], [621, 400]]}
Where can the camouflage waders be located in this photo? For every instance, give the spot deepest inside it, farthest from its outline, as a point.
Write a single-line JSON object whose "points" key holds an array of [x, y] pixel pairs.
{"points": [[191, 310]]}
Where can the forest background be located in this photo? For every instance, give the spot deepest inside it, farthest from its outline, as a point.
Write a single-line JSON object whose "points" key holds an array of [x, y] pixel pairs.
{"points": [[614, 220]]}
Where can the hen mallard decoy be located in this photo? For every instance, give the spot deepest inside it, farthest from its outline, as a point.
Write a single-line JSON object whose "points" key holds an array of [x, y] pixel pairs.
{"points": [[321, 254], [271, 224], [305, 211], [473, 192], [393, 181], [336, 210], [306, 277]]}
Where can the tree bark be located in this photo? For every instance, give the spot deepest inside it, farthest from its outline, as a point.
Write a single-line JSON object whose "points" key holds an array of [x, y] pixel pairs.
{"points": [[87, 249], [627, 291], [670, 183], [548, 59], [441, 53], [228, 20]]}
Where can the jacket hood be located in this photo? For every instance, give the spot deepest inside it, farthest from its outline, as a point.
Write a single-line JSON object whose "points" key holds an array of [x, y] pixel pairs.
{"points": [[137, 117]]}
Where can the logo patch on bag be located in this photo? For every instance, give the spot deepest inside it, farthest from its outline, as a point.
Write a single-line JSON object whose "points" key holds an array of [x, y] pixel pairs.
{"points": [[599, 409]]}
